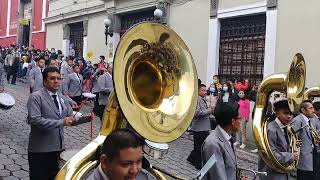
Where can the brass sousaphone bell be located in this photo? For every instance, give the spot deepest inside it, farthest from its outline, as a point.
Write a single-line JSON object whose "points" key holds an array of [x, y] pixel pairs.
{"points": [[293, 85], [155, 91]]}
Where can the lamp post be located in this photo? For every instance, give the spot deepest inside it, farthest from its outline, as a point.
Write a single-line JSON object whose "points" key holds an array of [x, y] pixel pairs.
{"points": [[158, 13], [107, 31]]}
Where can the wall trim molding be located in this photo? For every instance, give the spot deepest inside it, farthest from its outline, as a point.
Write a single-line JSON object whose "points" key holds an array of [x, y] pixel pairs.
{"points": [[243, 10]]}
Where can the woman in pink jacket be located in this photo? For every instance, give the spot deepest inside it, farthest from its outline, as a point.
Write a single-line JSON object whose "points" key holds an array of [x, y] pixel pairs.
{"points": [[244, 111]]}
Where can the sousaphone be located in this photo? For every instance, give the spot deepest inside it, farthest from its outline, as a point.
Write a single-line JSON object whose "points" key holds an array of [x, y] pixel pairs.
{"points": [[155, 91], [293, 85]]}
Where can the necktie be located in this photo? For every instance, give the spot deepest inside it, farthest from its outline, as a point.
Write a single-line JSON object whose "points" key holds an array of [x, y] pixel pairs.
{"points": [[286, 134], [78, 78], [41, 70], [55, 101], [231, 143]]}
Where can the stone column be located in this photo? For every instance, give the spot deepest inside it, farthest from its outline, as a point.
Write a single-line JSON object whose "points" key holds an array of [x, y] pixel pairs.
{"points": [[85, 38], [20, 26], [66, 39]]}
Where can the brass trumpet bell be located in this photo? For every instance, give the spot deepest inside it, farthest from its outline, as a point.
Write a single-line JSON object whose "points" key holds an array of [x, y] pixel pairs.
{"points": [[155, 91], [155, 82], [292, 84]]}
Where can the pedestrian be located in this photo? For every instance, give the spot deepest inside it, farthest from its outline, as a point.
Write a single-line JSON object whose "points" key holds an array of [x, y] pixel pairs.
{"points": [[13, 70], [35, 75], [279, 142], [105, 83], [220, 143], [121, 158], [200, 126], [244, 111], [48, 113]]}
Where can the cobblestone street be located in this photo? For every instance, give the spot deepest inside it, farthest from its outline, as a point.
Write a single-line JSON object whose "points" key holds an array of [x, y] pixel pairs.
{"points": [[14, 132]]}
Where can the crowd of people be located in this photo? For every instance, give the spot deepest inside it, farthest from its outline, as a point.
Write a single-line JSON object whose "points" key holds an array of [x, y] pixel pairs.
{"points": [[221, 120], [57, 84]]}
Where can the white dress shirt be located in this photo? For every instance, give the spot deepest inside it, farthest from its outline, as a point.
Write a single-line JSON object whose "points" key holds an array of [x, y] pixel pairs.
{"points": [[225, 134], [58, 99]]}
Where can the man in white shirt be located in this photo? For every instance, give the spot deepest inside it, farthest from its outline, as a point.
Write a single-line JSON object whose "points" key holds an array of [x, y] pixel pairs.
{"points": [[220, 143], [121, 158], [305, 169], [279, 141]]}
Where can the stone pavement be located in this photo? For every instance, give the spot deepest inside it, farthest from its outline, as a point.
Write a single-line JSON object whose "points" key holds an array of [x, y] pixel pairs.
{"points": [[14, 132]]}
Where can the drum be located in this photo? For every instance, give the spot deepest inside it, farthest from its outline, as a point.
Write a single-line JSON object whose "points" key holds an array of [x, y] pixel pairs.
{"points": [[6, 101], [155, 150]]}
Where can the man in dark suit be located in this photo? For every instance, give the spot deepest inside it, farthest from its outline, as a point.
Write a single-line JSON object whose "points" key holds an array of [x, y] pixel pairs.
{"points": [[220, 143], [200, 126], [279, 141], [305, 169], [121, 158], [48, 113]]}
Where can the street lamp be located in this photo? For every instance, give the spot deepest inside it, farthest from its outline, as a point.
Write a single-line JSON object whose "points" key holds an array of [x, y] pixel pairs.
{"points": [[107, 31], [158, 13]]}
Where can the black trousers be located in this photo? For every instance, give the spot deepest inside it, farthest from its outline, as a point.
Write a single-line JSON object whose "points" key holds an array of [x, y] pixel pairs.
{"points": [[77, 99], [195, 155], [43, 166], [12, 72], [304, 175]]}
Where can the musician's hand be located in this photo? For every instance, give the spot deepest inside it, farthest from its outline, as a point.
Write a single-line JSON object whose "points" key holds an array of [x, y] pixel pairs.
{"points": [[68, 121], [212, 108], [295, 156]]}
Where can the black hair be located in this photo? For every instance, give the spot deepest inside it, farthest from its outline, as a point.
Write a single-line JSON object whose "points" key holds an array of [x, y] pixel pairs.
{"points": [[225, 112], [75, 65], [199, 82], [202, 85], [281, 105], [304, 105], [119, 140], [316, 105], [48, 70], [102, 57]]}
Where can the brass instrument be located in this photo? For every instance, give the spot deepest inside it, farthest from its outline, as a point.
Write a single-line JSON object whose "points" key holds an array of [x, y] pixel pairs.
{"points": [[312, 92], [155, 91], [293, 84]]}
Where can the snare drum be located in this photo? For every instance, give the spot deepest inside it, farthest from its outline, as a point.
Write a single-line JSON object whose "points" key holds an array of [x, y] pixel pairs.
{"points": [[6, 101], [156, 150]]}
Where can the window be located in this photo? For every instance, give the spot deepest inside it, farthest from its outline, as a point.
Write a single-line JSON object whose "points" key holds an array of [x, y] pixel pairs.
{"points": [[241, 52]]}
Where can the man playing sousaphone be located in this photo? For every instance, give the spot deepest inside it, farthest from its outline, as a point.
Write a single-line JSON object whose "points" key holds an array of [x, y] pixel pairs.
{"points": [[306, 169], [279, 141]]}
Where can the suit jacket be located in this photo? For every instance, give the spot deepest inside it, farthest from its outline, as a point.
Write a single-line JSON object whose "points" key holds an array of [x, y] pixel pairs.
{"points": [[46, 122], [306, 150], [143, 175], [105, 83], [73, 85], [35, 79], [201, 119], [281, 151], [226, 165]]}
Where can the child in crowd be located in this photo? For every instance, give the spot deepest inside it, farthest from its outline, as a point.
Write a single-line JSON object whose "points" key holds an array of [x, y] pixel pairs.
{"points": [[244, 111]]}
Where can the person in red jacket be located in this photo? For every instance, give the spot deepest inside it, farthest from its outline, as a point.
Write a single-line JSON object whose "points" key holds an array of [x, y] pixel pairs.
{"points": [[240, 85]]}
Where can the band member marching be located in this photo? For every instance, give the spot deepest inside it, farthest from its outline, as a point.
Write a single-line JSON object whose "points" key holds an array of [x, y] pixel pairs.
{"points": [[306, 169], [279, 141], [220, 143]]}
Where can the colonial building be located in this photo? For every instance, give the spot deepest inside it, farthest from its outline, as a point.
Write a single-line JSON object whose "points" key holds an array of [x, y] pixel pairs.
{"points": [[255, 38], [78, 25], [15, 22]]}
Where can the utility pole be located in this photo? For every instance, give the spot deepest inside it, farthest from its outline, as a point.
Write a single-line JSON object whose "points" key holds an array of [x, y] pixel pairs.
{"points": [[31, 23]]}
